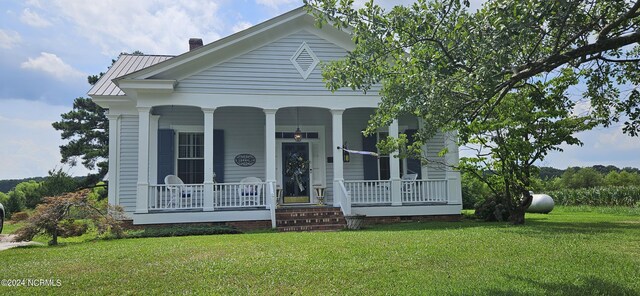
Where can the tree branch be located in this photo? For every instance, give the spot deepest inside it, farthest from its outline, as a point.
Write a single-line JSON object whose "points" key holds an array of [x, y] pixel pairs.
{"points": [[608, 28]]}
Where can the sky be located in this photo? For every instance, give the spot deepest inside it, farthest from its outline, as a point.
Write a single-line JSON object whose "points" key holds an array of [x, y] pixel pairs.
{"points": [[49, 47]]}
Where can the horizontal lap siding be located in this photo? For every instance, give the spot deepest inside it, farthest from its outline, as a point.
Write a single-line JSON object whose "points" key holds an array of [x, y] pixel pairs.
{"points": [[436, 168], [354, 121], [179, 115], [243, 133], [128, 163], [268, 70]]}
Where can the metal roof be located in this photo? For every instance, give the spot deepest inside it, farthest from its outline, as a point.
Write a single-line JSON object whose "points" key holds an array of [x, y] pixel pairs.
{"points": [[126, 63]]}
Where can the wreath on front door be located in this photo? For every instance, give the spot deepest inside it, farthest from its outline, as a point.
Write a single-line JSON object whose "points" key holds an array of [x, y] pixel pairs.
{"points": [[296, 166]]}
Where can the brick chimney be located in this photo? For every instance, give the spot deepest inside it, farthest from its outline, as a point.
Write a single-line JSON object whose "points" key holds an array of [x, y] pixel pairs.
{"points": [[194, 43]]}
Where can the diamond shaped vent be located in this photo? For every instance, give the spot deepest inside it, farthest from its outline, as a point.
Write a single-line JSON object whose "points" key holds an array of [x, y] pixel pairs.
{"points": [[304, 60]]}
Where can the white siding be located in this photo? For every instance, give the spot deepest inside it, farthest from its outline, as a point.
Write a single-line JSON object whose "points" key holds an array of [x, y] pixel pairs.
{"points": [[244, 130], [128, 176], [243, 133], [355, 121], [267, 70], [436, 168]]}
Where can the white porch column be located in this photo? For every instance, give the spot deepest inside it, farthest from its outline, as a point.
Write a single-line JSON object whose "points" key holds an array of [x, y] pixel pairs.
{"points": [[270, 157], [142, 196], [208, 159], [153, 149], [423, 168], [114, 141], [394, 166], [454, 189], [270, 144], [338, 175]]}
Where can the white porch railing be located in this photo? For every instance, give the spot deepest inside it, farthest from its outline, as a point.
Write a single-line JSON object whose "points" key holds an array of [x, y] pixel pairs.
{"points": [[272, 203], [420, 191], [239, 195], [176, 197], [369, 192], [344, 196], [225, 195]]}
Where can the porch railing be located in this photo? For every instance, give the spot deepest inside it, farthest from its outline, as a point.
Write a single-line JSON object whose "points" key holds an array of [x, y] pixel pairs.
{"points": [[421, 191], [369, 192], [344, 196], [176, 197], [239, 195], [272, 203], [192, 196]]}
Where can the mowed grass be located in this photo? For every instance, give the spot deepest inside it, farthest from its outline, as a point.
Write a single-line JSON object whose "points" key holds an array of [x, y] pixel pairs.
{"points": [[572, 251]]}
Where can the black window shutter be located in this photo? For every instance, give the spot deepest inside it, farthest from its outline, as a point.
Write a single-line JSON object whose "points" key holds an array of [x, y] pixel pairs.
{"points": [[413, 165], [218, 155], [166, 156], [369, 163]]}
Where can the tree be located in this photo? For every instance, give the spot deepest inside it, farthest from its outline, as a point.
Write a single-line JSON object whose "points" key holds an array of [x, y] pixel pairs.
{"points": [[86, 127], [57, 183], [459, 70], [582, 178], [54, 218]]}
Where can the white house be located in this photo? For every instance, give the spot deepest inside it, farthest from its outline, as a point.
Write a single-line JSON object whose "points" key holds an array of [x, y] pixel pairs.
{"points": [[230, 109]]}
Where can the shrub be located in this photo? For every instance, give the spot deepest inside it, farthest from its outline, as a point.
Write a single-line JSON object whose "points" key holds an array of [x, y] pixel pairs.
{"points": [[181, 231], [473, 190], [491, 209], [52, 218], [71, 227], [19, 216]]}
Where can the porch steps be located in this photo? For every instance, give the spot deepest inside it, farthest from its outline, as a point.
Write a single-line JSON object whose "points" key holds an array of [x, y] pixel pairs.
{"points": [[309, 219]]}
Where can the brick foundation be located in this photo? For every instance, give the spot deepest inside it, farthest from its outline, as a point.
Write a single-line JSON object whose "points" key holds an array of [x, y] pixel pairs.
{"points": [[240, 225], [266, 224], [398, 219]]}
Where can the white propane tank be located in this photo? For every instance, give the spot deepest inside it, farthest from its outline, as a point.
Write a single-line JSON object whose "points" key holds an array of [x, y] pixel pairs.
{"points": [[541, 203]]}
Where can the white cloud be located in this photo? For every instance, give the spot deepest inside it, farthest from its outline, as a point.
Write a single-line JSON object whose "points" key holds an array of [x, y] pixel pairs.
{"points": [[275, 4], [34, 3], [29, 147], [52, 65], [240, 26], [9, 39], [613, 139], [159, 27], [33, 19]]}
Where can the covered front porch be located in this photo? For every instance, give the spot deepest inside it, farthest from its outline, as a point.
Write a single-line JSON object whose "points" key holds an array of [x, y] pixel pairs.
{"points": [[215, 149]]}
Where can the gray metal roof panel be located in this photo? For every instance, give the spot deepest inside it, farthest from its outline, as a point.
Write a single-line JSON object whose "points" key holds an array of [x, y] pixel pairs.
{"points": [[125, 64]]}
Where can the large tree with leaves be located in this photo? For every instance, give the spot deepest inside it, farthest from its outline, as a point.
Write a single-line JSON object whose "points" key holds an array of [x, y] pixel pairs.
{"points": [[467, 70]]}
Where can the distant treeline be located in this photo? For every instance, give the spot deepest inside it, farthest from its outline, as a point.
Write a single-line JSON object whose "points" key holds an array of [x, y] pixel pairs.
{"points": [[8, 185], [548, 173]]}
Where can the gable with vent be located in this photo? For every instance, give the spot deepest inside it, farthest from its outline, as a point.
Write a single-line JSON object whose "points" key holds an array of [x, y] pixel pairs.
{"points": [[305, 60]]}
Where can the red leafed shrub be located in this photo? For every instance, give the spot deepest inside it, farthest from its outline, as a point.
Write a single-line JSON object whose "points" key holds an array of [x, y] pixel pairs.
{"points": [[53, 218]]}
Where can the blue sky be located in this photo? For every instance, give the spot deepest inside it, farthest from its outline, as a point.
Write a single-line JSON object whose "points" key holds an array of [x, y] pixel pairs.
{"points": [[48, 47]]}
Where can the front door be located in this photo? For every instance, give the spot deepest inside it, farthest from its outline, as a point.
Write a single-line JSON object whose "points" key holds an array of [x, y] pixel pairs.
{"points": [[295, 173]]}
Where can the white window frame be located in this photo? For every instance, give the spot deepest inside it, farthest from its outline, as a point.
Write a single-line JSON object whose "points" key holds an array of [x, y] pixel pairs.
{"points": [[184, 129]]}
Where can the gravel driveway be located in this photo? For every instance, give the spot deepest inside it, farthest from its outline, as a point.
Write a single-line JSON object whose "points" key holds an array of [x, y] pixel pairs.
{"points": [[6, 242]]}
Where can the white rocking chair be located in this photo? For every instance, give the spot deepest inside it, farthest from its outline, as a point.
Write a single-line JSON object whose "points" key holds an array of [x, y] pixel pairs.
{"points": [[176, 190], [250, 191], [408, 183]]}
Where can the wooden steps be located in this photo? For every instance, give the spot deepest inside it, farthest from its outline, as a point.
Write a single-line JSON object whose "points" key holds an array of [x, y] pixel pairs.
{"points": [[310, 219]]}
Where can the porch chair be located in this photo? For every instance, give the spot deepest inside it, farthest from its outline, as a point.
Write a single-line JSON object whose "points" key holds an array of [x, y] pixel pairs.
{"points": [[249, 191], [408, 183], [176, 190]]}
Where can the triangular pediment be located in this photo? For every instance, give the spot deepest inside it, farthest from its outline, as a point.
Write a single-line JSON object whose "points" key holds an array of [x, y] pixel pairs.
{"points": [[191, 63]]}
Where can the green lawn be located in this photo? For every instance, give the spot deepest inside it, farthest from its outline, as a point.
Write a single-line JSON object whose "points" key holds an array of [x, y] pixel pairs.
{"points": [[572, 251]]}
